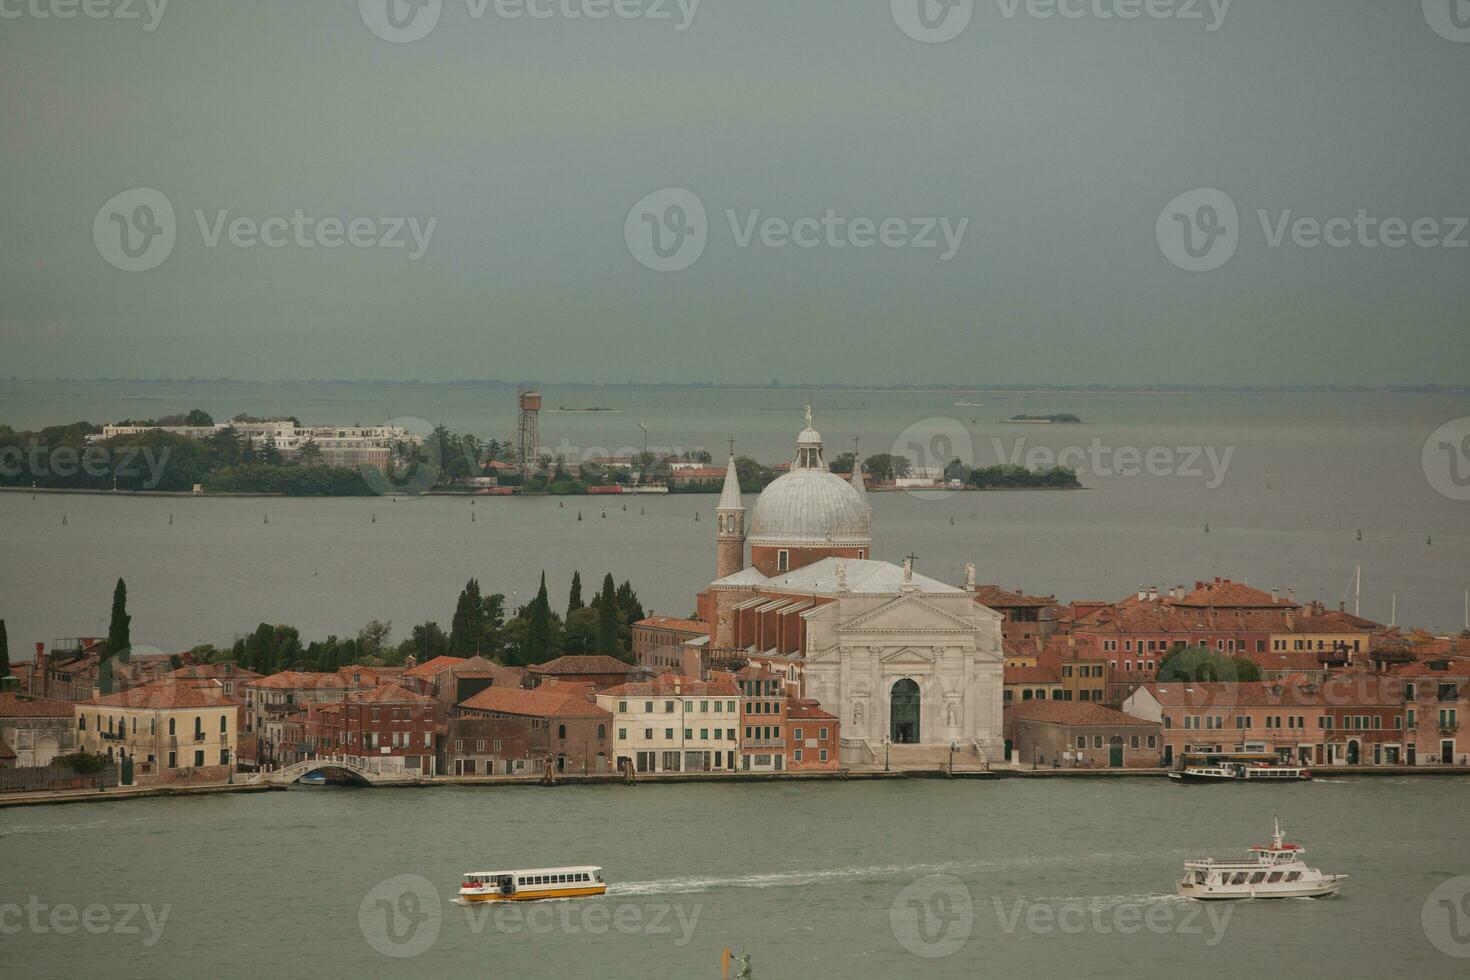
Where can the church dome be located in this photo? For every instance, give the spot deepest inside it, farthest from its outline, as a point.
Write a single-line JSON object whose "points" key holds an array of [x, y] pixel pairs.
{"points": [[810, 507]]}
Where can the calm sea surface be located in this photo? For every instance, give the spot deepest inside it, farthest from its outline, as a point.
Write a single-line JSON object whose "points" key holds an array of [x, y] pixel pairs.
{"points": [[1061, 878], [1284, 483]]}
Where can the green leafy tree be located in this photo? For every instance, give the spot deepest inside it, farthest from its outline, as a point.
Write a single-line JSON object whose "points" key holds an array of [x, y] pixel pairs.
{"points": [[579, 634], [425, 642], [629, 607], [198, 417], [574, 601], [1202, 665]]}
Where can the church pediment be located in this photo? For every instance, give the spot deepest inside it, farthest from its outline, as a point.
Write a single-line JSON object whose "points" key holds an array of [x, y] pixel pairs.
{"points": [[909, 613], [908, 655]]}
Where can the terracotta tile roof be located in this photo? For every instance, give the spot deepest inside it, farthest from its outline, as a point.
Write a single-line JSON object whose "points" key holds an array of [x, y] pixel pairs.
{"points": [[674, 685], [670, 623], [1033, 675], [805, 709], [1082, 714], [298, 679], [169, 694], [1339, 690], [997, 598], [1225, 593], [430, 669], [1426, 668], [15, 706], [547, 701], [388, 694], [595, 664], [222, 672]]}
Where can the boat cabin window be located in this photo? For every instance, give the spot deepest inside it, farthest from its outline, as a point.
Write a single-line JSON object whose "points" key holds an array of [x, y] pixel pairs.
{"points": [[1258, 877], [1275, 877], [1199, 877], [1239, 878], [1294, 876]]}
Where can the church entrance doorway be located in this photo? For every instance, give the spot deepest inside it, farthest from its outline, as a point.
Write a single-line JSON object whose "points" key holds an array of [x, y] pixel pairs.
{"points": [[903, 713]]}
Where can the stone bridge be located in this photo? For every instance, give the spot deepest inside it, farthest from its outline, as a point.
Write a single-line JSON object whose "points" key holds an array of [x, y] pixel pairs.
{"points": [[371, 773]]}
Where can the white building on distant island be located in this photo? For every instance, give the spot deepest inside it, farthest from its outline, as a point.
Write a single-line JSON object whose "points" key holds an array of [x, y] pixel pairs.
{"points": [[348, 446]]}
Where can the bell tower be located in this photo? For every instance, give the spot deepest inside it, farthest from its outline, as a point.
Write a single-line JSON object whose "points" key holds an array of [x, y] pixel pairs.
{"points": [[730, 524]]}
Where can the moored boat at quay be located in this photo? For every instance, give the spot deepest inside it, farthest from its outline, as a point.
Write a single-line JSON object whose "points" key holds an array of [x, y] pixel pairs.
{"points": [[1239, 772]]}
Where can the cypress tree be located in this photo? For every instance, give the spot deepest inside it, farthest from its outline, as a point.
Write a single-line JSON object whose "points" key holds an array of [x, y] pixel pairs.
{"points": [[467, 626], [574, 601], [607, 618], [4, 652], [119, 630], [538, 632]]}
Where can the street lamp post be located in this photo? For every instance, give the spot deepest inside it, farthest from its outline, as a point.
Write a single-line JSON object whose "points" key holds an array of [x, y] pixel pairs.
{"points": [[886, 743], [952, 747]]}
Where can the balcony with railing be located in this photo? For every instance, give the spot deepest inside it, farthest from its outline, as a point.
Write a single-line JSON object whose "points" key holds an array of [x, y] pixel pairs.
{"points": [[764, 743]]}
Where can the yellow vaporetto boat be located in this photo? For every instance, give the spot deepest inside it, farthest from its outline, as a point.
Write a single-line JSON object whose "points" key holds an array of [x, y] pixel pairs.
{"points": [[532, 884]]}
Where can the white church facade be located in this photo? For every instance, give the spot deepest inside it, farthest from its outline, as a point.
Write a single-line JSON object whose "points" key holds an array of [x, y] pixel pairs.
{"points": [[911, 666]]}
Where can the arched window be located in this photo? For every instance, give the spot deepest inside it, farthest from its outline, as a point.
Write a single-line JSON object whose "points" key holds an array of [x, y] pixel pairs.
{"points": [[224, 724], [602, 731], [198, 726], [173, 726], [561, 731]]}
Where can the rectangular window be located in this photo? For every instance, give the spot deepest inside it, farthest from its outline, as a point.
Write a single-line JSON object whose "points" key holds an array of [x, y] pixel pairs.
{"points": [[822, 755], [703, 707], [648, 734], [622, 707], [669, 733], [622, 734], [796, 755], [688, 734], [822, 734], [796, 734]]}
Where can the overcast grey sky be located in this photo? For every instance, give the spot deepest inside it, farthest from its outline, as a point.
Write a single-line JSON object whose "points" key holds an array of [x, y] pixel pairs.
{"points": [[1055, 143]]}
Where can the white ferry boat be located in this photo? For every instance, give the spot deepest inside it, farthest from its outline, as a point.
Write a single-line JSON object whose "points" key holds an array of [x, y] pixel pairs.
{"points": [[1275, 871], [1237, 771], [532, 884]]}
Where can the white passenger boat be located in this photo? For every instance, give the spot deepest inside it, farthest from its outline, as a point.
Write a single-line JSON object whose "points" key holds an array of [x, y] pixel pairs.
{"points": [[1274, 871], [1236, 772], [532, 884]]}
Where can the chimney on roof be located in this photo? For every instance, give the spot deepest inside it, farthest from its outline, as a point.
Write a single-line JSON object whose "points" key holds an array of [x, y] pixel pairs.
{"points": [[1291, 595], [1217, 580], [1342, 605], [1198, 585], [1153, 593], [1142, 593], [1275, 596]]}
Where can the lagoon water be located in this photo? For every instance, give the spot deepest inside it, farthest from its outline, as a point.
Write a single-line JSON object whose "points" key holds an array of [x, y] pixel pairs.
{"points": [[1301, 475], [1014, 878]]}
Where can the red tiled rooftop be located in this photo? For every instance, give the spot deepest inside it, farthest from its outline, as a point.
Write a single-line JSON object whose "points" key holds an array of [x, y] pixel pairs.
{"points": [[1033, 675], [548, 701], [168, 694], [388, 694], [16, 706], [666, 685], [583, 664], [430, 669], [294, 679]]}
